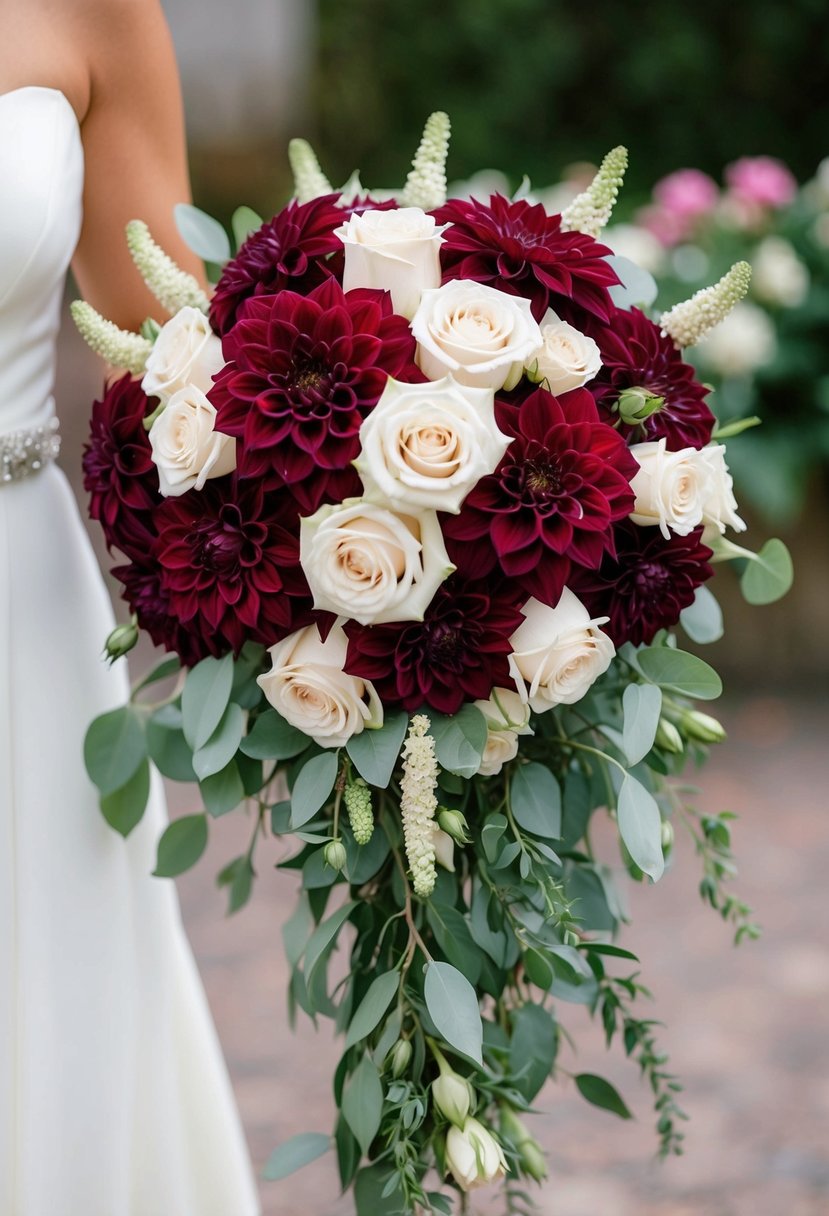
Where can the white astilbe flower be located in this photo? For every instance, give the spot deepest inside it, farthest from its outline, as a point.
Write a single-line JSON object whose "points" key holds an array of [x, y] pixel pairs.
{"points": [[309, 180], [426, 184], [418, 804], [691, 320], [590, 211], [119, 347], [173, 287]]}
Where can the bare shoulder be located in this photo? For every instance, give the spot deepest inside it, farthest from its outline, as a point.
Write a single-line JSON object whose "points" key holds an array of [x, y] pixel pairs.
{"points": [[121, 41]]}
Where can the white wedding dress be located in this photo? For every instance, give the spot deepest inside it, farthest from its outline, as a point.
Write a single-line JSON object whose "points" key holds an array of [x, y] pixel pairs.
{"points": [[114, 1100]]}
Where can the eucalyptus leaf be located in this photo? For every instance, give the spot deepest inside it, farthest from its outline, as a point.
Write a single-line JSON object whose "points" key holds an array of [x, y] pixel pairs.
{"points": [[272, 738], [181, 845], [204, 698], [372, 1007], [533, 1047], [453, 1007], [460, 740], [295, 1153], [114, 748], [201, 233], [637, 288], [640, 826], [312, 787], [124, 809], [702, 620], [241, 885], [769, 575], [535, 799], [323, 936], [374, 752], [601, 1093], [168, 667], [223, 791], [454, 938], [363, 1102], [168, 749], [243, 222], [642, 705], [222, 745], [679, 671]]}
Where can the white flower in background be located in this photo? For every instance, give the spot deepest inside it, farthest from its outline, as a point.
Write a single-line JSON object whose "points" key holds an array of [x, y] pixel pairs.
{"points": [[396, 251], [567, 358], [426, 445], [637, 244], [473, 1156], [418, 804], [741, 343], [507, 717], [479, 335], [671, 488], [309, 688], [186, 353], [720, 507], [557, 653], [371, 564], [186, 447], [779, 275]]}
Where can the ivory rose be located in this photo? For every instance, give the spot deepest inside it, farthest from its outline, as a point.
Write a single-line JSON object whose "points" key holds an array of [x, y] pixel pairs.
{"points": [[186, 447], [479, 335], [185, 353], [395, 251], [473, 1155], [720, 506], [671, 488], [567, 358], [558, 653], [371, 564], [507, 717], [426, 445], [308, 687]]}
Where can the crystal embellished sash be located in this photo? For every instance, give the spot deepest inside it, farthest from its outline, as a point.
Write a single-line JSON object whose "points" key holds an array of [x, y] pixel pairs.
{"points": [[23, 453]]}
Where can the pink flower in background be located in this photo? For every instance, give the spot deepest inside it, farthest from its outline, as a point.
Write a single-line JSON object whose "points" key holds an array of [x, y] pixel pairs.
{"points": [[761, 180], [669, 228], [687, 193]]}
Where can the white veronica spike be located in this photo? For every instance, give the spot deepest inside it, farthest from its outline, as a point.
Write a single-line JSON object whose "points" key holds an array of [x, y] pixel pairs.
{"points": [[309, 180], [119, 347], [426, 184], [172, 287], [691, 320], [590, 211]]}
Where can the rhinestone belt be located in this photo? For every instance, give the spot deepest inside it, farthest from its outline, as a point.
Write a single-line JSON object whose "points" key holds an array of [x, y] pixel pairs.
{"points": [[23, 453]]}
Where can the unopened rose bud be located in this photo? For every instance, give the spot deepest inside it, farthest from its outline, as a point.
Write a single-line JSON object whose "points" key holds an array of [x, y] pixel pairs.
{"points": [[637, 404], [444, 847], [335, 854], [400, 1057], [667, 836], [453, 1096], [473, 1156], [702, 727], [121, 640], [529, 1151], [668, 737], [454, 824]]}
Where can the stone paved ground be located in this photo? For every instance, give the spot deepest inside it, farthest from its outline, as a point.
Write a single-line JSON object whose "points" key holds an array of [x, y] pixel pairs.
{"points": [[748, 1030]]}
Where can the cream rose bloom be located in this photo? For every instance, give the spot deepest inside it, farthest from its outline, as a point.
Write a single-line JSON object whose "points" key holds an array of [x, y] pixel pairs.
{"points": [[557, 653], [473, 1155], [507, 717], [308, 687], [395, 251], [186, 447], [671, 488], [479, 335], [186, 352], [720, 506], [426, 445], [370, 564], [567, 358]]}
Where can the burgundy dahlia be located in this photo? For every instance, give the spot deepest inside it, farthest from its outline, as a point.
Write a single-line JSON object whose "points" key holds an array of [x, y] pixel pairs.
{"points": [[230, 565], [457, 653], [520, 249], [119, 474], [647, 584], [142, 590], [563, 481], [291, 250], [303, 372], [635, 354]]}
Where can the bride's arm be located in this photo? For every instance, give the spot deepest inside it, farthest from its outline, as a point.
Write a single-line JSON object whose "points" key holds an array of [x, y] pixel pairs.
{"points": [[134, 148]]}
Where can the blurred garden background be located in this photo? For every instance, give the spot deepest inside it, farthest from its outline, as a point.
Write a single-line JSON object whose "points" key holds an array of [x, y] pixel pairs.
{"points": [[544, 89]]}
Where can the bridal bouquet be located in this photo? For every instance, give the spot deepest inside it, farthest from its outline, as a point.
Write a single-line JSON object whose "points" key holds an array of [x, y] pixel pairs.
{"points": [[416, 501]]}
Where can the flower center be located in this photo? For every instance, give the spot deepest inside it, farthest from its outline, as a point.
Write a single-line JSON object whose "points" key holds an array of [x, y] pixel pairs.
{"points": [[308, 375], [224, 545], [543, 477]]}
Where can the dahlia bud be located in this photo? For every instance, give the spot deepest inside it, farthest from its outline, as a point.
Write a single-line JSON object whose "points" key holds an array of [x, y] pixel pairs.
{"points": [[667, 837], [173, 287], [357, 798], [121, 640], [335, 855], [668, 737], [691, 320], [473, 1156], [530, 1156], [637, 404], [426, 184], [452, 1095], [454, 824], [702, 727], [400, 1058], [118, 347], [590, 211]]}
